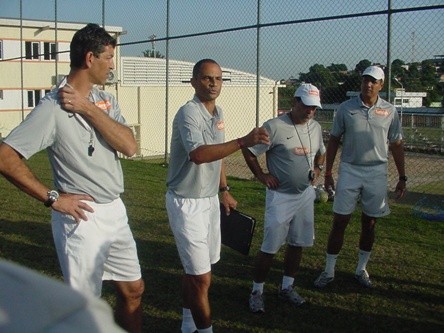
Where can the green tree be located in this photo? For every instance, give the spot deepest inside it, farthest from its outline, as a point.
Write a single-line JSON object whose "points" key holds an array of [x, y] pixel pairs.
{"points": [[429, 81], [152, 54], [412, 80], [362, 65], [286, 97], [398, 71], [337, 68], [318, 75]]}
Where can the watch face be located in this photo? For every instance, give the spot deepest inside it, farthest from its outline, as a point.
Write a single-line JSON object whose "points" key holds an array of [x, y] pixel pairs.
{"points": [[53, 194]]}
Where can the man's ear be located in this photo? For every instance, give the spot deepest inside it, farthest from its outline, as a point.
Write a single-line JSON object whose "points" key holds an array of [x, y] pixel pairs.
{"points": [[89, 58], [382, 85]]}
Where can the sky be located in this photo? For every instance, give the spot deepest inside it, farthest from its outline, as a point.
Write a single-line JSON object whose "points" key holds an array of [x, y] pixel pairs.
{"points": [[285, 50]]}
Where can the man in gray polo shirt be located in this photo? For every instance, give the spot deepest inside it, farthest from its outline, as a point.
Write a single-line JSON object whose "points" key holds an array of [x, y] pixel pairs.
{"points": [[82, 129], [195, 176], [369, 126], [295, 159]]}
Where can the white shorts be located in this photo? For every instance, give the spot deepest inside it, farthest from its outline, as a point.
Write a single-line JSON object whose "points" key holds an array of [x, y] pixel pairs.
{"points": [[195, 224], [102, 248], [288, 218], [369, 182]]}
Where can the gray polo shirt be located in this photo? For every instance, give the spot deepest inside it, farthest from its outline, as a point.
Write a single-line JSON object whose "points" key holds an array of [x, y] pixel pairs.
{"points": [[33, 302], [193, 126], [366, 131], [288, 152], [66, 137]]}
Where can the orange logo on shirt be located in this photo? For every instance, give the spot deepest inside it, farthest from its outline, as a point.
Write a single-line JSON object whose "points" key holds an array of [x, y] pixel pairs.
{"points": [[301, 151], [220, 125], [104, 105], [381, 112]]}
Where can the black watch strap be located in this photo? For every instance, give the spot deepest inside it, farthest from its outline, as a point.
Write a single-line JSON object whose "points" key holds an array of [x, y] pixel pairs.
{"points": [[403, 178], [224, 189], [53, 196]]}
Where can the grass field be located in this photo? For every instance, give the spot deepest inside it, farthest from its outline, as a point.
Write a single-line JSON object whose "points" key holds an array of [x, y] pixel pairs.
{"points": [[406, 267]]}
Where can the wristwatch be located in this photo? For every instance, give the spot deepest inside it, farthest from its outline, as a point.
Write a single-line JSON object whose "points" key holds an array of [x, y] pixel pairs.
{"points": [[53, 196], [224, 189], [403, 178], [319, 166]]}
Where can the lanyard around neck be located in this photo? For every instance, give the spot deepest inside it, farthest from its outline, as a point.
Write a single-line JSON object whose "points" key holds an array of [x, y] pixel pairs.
{"points": [[309, 140]]}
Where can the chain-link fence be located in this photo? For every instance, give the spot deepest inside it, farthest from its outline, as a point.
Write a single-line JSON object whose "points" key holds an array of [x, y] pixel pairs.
{"points": [[266, 49]]}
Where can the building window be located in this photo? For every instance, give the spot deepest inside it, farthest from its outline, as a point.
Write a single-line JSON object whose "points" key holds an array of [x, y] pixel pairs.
{"points": [[1, 94], [49, 51], [1, 49], [33, 97], [31, 50]]}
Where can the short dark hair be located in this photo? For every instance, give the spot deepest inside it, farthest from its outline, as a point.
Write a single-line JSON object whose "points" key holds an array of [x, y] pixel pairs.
{"points": [[91, 38], [197, 67]]}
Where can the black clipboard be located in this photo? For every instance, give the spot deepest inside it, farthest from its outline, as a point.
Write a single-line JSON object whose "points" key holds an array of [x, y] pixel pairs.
{"points": [[237, 230]]}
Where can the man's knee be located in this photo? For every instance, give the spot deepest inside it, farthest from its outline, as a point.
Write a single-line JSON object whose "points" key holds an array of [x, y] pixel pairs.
{"points": [[340, 222], [368, 223], [199, 282], [131, 290]]}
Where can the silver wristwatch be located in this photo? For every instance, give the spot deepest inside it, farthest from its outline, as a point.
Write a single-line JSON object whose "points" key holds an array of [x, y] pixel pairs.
{"points": [[53, 196]]}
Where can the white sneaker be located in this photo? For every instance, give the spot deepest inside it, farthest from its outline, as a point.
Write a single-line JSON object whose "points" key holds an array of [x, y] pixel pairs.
{"points": [[364, 279], [256, 302], [291, 296], [323, 280]]}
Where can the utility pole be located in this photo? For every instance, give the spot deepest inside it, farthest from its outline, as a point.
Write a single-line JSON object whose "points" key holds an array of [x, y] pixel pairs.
{"points": [[153, 44]]}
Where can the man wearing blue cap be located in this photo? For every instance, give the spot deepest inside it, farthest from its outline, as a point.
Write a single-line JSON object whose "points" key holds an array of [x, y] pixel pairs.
{"points": [[366, 124], [294, 160]]}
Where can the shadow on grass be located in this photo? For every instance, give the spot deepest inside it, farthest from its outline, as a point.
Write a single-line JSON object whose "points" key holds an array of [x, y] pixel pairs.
{"points": [[30, 244], [326, 310], [344, 306]]}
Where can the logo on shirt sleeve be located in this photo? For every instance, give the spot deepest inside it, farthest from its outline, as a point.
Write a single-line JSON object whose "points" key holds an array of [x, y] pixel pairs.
{"points": [[220, 125], [105, 105]]}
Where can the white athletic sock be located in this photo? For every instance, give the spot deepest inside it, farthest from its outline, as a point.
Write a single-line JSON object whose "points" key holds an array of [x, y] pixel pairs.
{"points": [[364, 256], [258, 287], [287, 281], [330, 263], [188, 325], [206, 330]]}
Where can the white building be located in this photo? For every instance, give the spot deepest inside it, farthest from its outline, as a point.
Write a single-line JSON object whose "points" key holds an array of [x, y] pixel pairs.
{"points": [[407, 99], [24, 80], [141, 91], [138, 83]]}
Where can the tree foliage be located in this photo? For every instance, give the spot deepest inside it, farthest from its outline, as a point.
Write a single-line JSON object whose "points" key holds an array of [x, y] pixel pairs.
{"points": [[335, 80], [152, 54]]}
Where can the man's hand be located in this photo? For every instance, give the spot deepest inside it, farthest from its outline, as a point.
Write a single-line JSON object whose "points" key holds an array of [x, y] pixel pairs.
{"points": [[317, 174], [74, 205], [269, 180], [228, 201], [400, 189], [329, 182], [73, 101], [256, 136]]}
